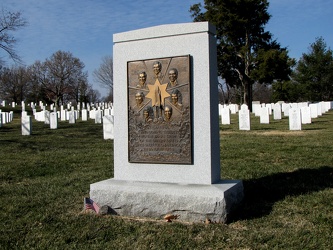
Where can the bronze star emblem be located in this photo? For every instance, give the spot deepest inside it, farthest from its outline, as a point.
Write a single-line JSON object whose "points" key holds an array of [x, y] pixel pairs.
{"points": [[157, 93]]}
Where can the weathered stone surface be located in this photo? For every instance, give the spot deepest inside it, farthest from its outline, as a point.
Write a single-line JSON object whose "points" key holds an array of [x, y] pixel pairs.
{"points": [[194, 203]]}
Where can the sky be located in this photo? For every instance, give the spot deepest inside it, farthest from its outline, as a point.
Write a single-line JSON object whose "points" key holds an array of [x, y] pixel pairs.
{"points": [[85, 28]]}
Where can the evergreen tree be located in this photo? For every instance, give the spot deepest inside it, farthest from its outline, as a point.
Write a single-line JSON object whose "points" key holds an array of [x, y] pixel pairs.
{"points": [[314, 72], [246, 52]]}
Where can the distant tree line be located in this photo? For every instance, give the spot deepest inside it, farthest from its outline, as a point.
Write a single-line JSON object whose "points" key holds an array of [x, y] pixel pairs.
{"points": [[59, 79], [251, 65]]}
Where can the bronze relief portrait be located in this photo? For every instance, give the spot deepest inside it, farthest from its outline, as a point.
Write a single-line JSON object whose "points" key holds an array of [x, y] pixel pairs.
{"points": [[159, 110]]}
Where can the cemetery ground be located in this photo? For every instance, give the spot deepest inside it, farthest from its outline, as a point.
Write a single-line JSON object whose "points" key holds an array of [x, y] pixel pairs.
{"points": [[287, 176]]}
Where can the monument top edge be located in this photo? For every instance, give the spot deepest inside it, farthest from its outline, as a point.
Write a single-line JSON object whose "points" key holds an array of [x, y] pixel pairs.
{"points": [[164, 30]]}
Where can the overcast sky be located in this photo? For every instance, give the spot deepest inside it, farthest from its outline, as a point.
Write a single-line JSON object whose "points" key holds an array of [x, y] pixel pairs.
{"points": [[85, 27]]}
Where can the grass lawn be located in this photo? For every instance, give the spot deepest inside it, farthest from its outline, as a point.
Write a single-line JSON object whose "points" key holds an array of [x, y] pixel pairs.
{"points": [[287, 176]]}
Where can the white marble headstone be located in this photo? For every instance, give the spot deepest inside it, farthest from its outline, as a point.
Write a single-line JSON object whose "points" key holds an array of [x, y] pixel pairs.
{"points": [[225, 116], [108, 127], [71, 115], [264, 115], [98, 116], [84, 115], [53, 120], [47, 117], [26, 125], [305, 115], [277, 115], [295, 119], [244, 118]]}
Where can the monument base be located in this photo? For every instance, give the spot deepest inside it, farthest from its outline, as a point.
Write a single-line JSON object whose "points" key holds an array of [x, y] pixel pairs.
{"points": [[193, 203]]}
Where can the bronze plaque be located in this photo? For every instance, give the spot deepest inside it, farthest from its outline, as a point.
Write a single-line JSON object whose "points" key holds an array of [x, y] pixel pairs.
{"points": [[159, 110]]}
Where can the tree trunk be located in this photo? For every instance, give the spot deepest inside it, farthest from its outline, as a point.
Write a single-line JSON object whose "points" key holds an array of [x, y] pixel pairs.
{"points": [[247, 88], [246, 78]]}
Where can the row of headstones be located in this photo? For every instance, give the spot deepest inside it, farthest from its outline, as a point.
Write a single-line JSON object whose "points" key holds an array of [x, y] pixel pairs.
{"points": [[3, 104], [6, 117], [102, 105], [298, 113], [100, 115], [52, 119], [79, 106], [72, 115]]}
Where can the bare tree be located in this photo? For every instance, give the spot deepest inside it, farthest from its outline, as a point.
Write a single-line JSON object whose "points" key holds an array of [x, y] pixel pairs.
{"points": [[59, 76], [93, 95], [35, 73], [81, 91], [9, 22], [14, 84], [85, 92], [104, 74]]}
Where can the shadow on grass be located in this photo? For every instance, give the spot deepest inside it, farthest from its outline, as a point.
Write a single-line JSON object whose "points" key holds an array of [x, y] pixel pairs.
{"points": [[261, 194], [6, 129], [314, 129], [263, 128], [6, 142]]}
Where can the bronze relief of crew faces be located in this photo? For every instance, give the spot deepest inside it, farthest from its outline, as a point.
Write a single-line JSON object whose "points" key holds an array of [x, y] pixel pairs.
{"points": [[157, 67], [147, 112], [157, 85], [176, 99], [139, 97], [142, 80], [159, 112], [167, 113], [173, 75]]}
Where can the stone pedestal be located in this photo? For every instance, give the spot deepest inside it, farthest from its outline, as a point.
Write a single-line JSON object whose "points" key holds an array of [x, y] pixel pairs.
{"points": [[193, 203]]}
